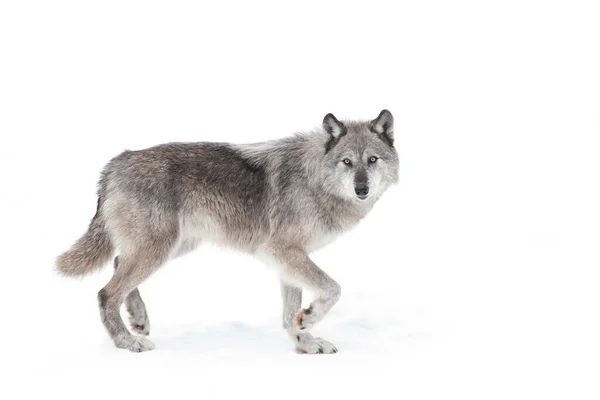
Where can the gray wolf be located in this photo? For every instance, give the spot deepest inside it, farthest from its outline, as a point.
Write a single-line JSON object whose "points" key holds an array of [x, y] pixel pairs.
{"points": [[278, 200]]}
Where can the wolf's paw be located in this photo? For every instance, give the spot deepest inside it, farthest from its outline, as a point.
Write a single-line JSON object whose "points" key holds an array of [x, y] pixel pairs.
{"points": [[137, 344], [304, 319], [307, 344]]}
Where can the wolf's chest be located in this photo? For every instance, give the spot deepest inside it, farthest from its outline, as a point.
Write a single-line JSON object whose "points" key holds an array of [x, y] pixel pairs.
{"points": [[320, 238], [327, 227]]}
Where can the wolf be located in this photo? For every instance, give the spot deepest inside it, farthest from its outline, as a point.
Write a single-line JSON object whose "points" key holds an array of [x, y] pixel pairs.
{"points": [[279, 200]]}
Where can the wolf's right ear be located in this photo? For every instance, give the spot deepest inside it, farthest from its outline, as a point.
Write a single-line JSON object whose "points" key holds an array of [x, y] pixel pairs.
{"points": [[334, 127]]}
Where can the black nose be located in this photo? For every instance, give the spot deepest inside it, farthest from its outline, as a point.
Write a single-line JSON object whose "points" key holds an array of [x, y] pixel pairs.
{"points": [[361, 191]]}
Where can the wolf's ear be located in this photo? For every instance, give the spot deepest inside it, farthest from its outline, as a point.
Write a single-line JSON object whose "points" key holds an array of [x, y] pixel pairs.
{"points": [[383, 125], [334, 127]]}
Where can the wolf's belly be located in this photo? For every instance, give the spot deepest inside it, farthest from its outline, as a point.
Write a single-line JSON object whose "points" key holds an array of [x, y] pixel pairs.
{"points": [[194, 229]]}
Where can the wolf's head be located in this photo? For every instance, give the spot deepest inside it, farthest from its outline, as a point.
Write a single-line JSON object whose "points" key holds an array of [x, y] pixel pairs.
{"points": [[361, 161]]}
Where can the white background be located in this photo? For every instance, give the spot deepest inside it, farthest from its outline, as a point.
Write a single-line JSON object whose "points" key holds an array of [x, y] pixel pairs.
{"points": [[476, 277]]}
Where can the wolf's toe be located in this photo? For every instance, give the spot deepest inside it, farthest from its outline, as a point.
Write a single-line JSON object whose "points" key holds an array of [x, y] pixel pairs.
{"points": [[135, 344], [310, 345], [141, 344], [328, 348]]}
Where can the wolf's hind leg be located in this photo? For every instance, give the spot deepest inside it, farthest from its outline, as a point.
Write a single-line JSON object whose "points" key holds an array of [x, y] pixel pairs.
{"points": [[133, 268], [299, 270], [138, 316]]}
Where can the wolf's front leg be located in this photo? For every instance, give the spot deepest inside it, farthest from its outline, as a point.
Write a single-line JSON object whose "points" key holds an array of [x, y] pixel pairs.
{"points": [[298, 271], [292, 301]]}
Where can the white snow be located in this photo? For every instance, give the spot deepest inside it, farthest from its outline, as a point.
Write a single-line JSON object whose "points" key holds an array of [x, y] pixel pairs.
{"points": [[475, 278]]}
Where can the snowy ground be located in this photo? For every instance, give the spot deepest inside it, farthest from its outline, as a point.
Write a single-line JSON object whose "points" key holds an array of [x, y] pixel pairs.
{"points": [[475, 278]]}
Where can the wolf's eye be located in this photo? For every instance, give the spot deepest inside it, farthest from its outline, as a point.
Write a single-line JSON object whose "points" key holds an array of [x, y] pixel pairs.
{"points": [[347, 162], [373, 159]]}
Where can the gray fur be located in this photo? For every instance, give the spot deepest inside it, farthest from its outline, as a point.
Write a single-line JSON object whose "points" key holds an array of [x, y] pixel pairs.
{"points": [[279, 200], [138, 317]]}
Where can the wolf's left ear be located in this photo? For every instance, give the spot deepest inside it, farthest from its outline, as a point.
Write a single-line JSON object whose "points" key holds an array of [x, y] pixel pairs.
{"points": [[383, 125], [334, 127]]}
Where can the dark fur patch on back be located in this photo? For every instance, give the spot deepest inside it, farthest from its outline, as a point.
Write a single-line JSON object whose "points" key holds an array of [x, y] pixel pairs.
{"points": [[230, 155]]}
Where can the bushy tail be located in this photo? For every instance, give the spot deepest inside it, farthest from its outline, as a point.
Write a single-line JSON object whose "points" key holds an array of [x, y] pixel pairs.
{"points": [[89, 253]]}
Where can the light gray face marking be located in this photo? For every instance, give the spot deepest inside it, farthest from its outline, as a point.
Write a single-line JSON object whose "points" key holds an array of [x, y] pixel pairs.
{"points": [[352, 153]]}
